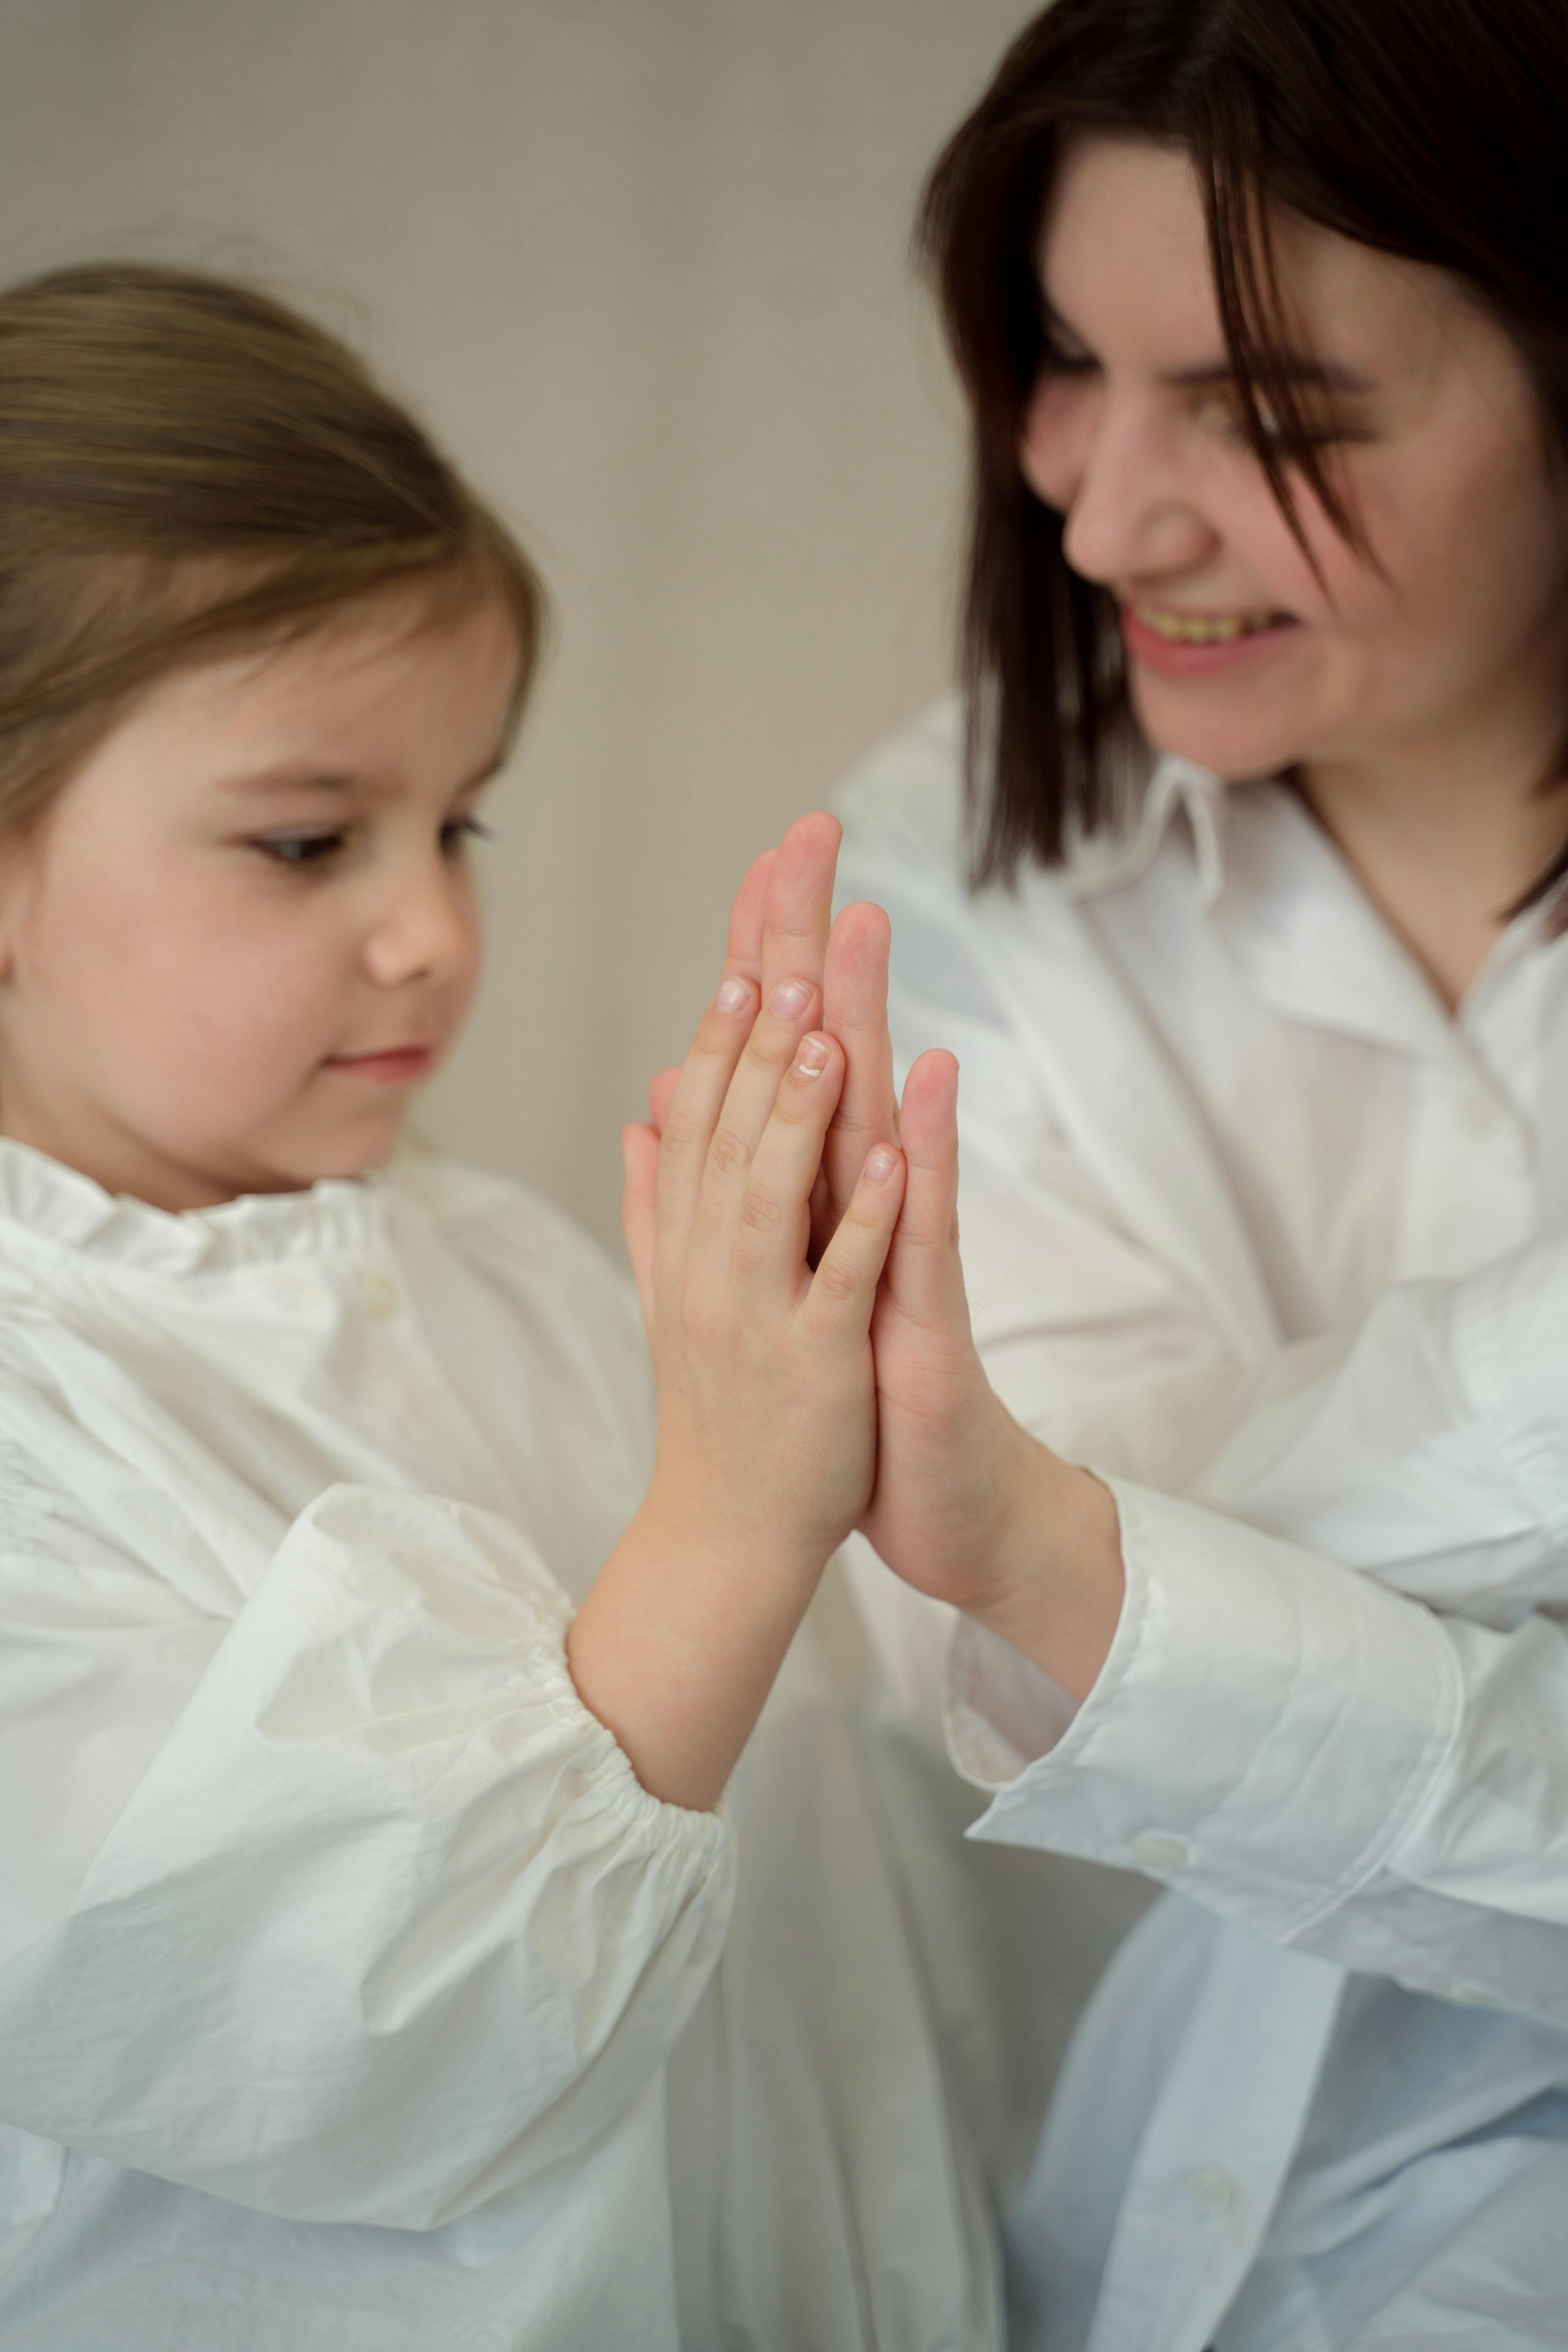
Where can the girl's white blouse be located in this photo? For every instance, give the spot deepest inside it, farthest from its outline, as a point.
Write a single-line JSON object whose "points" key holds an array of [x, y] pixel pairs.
{"points": [[353, 1994], [1257, 1231]]}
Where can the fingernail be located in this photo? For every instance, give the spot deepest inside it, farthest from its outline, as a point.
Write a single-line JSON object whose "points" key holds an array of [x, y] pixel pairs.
{"points": [[791, 998], [733, 996], [880, 1165], [811, 1058]]}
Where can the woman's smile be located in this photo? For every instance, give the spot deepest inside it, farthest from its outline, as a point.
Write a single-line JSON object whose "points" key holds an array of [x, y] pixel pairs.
{"points": [[1184, 644]]}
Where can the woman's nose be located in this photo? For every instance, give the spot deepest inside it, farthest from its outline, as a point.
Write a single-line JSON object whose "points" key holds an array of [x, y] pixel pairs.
{"points": [[1128, 511], [423, 925]]}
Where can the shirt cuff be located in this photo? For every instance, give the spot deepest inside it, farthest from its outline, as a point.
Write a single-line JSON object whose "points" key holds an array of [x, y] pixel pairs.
{"points": [[1505, 1337], [1262, 1734]]}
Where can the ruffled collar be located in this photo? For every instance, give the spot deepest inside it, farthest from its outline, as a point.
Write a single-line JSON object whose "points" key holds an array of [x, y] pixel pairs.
{"points": [[48, 1211]]}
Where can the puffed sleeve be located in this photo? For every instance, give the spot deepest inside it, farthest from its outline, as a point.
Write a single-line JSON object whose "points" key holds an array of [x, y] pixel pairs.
{"points": [[386, 1922]]}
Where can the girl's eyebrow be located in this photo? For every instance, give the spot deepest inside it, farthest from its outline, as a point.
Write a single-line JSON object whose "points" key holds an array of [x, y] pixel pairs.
{"points": [[291, 775], [288, 776]]}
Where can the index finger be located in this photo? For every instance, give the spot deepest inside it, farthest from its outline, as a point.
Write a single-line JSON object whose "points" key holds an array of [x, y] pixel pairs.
{"points": [[744, 953], [800, 903], [855, 1010]]}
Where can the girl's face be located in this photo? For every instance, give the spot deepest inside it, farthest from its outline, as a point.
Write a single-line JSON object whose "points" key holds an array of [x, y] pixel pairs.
{"points": [[245, 931], [1237, 655]]}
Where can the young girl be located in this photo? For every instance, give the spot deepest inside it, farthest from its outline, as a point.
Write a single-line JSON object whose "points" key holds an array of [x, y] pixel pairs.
{"points": [[1253, 945], [373, 1972]]}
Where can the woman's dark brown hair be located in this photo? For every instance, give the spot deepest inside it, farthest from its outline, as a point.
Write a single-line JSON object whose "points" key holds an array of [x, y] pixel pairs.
{"points": [[1433, 128], [185, 467]]}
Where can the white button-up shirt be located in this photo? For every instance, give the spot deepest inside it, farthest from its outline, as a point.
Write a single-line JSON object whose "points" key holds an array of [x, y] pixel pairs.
{"points": [[353, 1994], [1257, 1231]]}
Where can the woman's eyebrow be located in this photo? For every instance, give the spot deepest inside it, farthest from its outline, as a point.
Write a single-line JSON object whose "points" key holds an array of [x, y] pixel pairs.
{"points": [[1209, 375], [1318, 376]]}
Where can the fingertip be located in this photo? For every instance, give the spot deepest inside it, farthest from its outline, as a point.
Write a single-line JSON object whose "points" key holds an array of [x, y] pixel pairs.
{"points": [[882, 1164], [815, 827], [867, 918]]}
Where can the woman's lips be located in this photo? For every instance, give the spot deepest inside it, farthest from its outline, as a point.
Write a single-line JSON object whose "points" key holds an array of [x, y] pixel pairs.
{"points": [[1176, 657], [400, 1065]]}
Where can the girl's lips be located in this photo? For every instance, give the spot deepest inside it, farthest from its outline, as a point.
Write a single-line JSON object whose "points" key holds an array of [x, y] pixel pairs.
{"points": [[1176, 659], [399, 1067]]}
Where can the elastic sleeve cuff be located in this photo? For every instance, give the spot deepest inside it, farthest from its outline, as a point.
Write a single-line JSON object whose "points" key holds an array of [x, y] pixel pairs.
{"points": [[1261, 1735]]}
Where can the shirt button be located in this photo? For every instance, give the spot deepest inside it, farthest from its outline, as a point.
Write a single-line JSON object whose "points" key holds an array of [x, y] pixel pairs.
{"points": [[1479, 1112], [379, 1295], [1213, 2191], [1151, 1852]]}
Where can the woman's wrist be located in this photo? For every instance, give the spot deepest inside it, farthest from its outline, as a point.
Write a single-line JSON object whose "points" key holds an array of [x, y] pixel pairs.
{"points": [[1060, 1580]]}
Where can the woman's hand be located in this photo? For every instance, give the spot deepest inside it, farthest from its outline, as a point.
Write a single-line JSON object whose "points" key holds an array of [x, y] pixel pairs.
{"points": [[766, 1388], [967, 1507]]}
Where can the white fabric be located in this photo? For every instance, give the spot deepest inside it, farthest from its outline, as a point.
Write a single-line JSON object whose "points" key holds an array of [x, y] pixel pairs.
{"points": [[354, 1995], [1257, 1231]]}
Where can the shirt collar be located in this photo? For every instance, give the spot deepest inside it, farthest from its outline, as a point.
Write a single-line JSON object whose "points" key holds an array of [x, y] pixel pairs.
{"points": [[1175, 788], [51, 1214], [1289, 909]]}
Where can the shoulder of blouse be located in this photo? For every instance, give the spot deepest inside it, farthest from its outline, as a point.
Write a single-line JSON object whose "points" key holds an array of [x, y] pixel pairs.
{"points": [[495, 1218]]}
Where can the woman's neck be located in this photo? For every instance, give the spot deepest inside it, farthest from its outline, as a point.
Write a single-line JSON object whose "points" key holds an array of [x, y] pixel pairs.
{"points": [[1446, 839]]}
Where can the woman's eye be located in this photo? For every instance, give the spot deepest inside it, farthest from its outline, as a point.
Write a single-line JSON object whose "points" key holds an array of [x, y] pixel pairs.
{"points": [[460, 831], [300, 848], [1054, 360], [1319, 433]]}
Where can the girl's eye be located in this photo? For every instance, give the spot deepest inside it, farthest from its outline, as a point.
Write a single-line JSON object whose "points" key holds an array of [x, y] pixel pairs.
{"points": [[300, 848], [460, 831]]}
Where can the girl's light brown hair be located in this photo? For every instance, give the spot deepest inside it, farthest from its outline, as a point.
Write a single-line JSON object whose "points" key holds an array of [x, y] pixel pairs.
{"points": [[1432, 129], [187, 466]]}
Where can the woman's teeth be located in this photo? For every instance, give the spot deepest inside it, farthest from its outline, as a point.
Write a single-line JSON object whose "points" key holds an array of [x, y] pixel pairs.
{"points": [[1204, 628]]}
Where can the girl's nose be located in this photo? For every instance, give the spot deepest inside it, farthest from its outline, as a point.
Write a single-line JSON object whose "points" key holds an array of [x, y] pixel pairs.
{"points": [[424, 926]]}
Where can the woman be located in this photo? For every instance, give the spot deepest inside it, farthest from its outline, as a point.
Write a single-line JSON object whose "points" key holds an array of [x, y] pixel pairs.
{"points": [[1250, 937]]}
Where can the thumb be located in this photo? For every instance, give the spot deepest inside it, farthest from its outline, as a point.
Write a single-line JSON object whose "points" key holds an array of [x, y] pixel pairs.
{"points": [[925, 1275]]}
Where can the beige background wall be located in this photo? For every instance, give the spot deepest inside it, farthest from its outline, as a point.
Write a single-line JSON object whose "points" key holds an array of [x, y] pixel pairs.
{"points": [[644, 265]]}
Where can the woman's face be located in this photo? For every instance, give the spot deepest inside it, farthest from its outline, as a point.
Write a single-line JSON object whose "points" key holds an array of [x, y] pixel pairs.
{"points": [[1238, 656]]}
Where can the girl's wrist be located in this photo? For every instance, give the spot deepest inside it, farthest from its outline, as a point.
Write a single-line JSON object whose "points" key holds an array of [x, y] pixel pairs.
{"points": [[680, 1637], [718, 1537]]}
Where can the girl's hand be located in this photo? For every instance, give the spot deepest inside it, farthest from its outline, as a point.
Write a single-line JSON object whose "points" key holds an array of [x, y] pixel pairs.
{"points": [[967, 1507], [780, 921], [766, 1386]]}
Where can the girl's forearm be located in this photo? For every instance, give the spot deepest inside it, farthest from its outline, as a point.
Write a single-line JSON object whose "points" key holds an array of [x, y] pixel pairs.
{"points": [[679, 1641]]}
